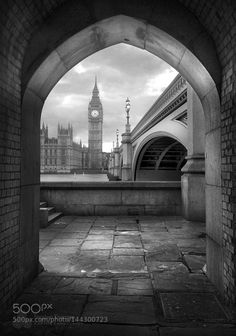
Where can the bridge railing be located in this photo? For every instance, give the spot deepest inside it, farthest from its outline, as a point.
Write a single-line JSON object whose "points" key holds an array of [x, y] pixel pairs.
{"points": [[173, 97]]}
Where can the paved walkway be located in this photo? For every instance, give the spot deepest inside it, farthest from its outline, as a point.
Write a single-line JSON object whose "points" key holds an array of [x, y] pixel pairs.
{"points": [[123, 276]]}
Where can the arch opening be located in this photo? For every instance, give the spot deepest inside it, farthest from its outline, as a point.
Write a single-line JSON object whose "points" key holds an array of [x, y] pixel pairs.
{"points": [[161, 159], [108, 32]]}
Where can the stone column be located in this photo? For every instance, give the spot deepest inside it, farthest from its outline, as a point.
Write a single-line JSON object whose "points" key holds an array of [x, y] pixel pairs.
{"points": [[116, 161], [193, 178], [112, 163], [120, 163], [127, 157]]}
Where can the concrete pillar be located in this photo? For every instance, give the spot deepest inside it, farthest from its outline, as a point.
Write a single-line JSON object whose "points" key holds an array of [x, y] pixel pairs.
{"points": [[127, 157], [193, 178], [120, 165], [112, 163], [116, 161]]}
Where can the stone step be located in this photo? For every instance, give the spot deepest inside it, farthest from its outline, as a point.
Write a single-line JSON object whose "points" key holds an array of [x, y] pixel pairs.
{"points": [[43, 204], [50, 210], [52, 217]]}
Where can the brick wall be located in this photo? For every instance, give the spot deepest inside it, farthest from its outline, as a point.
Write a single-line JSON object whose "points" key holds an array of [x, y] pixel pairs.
{"points": [[219, 18], [19, 21]]}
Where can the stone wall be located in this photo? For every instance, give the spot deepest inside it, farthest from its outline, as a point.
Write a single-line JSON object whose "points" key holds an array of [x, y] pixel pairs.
{"points": [[113, 198]]}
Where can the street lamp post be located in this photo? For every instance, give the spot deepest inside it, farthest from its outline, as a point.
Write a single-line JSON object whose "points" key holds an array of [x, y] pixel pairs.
{"points": [[127, 109], [127, 146], [116, 156]]}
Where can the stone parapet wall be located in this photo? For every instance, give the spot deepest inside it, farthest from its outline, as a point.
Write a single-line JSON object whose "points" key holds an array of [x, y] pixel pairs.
{"points": [[113, 198]]}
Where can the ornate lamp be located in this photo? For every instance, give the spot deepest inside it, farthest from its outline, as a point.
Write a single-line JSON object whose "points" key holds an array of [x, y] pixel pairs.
{"points": [[127, 109]]}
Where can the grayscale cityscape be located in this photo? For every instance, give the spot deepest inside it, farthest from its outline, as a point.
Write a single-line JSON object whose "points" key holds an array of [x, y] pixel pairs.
{"points": [[117, 165]]}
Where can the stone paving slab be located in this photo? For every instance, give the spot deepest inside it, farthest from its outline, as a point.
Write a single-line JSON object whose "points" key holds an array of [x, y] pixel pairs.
{"points": [[191, 242], [192, 306], [127, 227], [89, 265], [97, 245], [128, 251], [150, 246], [96, 231], [110, 330], [70, 235], [153, 229], [105, 219], [66, 242], [165, 266], [66, 219], [193, 250], [127, 233], [195, 262], [83, 286], [99, 237], [127, 242], [135, 286], [181, 236], [105, 224], [129, 264], [204, 331], [121, 309], [57, 258], [180, 281], [78, 227], [93, 254], [104, 227], [155, 236], [164, 252], [84, 219], [150, 221]]}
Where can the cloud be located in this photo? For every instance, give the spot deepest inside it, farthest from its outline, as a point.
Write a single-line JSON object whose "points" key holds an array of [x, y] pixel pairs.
{"points": [[71, 101], [157, 84], [79, 68], [122, 71]]}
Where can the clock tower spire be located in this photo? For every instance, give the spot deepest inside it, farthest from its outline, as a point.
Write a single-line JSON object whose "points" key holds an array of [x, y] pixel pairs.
{"points": [[95, 125]]}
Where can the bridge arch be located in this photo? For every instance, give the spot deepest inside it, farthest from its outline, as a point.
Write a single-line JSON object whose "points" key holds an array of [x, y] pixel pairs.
{"points": [[182, 45], [160, 159], [141, 147]]}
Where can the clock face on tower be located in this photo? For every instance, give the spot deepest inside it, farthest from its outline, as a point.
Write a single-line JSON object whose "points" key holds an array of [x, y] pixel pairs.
{"points": [[94, 113]]}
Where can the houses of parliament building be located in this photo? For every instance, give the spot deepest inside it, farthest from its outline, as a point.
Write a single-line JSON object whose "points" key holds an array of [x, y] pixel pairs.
{"points": [[63, 155]]}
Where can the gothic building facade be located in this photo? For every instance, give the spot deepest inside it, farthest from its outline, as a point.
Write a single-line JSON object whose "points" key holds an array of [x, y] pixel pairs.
{"points": [[62, 154], [95, 126]]}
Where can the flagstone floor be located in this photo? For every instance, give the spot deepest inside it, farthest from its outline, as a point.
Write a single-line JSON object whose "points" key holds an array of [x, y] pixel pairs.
{"points": [[123, 276]]}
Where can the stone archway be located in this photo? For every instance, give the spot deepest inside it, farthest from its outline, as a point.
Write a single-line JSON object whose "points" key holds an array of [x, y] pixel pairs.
{"points": [[43, 70]]}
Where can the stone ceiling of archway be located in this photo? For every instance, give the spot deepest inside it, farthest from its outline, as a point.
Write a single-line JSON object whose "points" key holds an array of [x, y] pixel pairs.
{"points": [[65, 18]]}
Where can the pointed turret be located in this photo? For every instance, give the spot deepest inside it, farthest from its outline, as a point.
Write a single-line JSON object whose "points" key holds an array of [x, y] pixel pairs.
{"points": [[95, 89]]}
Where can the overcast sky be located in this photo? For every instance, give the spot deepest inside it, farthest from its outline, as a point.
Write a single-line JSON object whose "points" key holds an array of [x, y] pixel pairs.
{"points": [[122, 71]]}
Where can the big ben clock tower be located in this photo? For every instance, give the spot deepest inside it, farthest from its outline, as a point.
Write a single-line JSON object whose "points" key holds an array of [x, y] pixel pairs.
{"points": [[95, 123]]}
